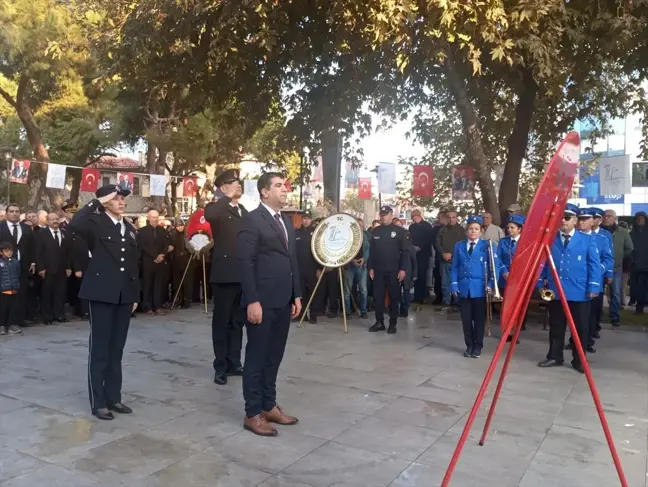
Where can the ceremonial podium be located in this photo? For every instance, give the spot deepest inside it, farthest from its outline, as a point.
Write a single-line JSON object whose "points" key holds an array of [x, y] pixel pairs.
{"points": [[534, 251]]}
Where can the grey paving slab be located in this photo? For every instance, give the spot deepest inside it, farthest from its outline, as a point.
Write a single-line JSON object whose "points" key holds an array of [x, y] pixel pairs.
{"points": [[374, 410]]}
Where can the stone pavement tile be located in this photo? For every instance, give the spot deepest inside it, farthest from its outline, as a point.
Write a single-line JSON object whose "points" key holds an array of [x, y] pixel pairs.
{"points": [[618, 396], [549, 469], [14, 464], [9, 404], [130, 459], [197, 429], [343, 466], [320, 420], [37, 388], [52, 476], [429, 414], [280, 481], [587, 418], [389, 437], [207, 470], [266, 454], [418, 475], [458, 397]]}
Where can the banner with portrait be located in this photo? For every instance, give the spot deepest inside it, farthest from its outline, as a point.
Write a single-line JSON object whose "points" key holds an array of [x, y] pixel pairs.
{"points": [[463, 184]]}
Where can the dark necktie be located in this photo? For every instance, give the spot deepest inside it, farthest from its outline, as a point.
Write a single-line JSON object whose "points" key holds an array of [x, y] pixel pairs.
{"points": [[513, 242], [58, 242], [277, 218], [566, 242], [14, 235], [472, 247]]}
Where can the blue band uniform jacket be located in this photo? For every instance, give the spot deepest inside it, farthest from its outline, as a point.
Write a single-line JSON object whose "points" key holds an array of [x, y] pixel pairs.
{"points": [[579, 267], [467, 272], [505, 252], [112, 275]]}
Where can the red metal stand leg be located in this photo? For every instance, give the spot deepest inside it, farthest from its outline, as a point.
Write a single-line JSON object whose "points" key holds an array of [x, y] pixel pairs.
{"points": [[519, 316], [588, 372]]}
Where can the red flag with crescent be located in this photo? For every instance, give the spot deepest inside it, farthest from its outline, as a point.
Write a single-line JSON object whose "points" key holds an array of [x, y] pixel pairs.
{"points": [[364, 188], [423, 181], [189, 186], [90, 180], [198, 224]]}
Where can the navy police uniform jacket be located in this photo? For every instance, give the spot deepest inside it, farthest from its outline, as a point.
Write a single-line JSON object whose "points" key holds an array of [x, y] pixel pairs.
{"points": [[505, 253], [112, 275], [225, 221], [468, 273], [578, 265], [387, 250]]}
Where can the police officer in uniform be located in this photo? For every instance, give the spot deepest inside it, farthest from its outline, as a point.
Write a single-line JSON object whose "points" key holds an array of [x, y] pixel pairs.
{"points": [[225, 217], [308, 266], [579, 268], [388, 258], [112, 287]]}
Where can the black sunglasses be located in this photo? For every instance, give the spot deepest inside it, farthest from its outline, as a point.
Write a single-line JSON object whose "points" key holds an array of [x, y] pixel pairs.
{"points": [[568, 217]]}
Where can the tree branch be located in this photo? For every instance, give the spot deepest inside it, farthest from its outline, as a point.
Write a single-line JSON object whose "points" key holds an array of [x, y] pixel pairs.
{"points": [[20, 94], [8, 98]]}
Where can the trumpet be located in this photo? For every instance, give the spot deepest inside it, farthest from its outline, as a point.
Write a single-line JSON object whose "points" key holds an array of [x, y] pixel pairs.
{"points": [[495, 296], [547, 294]]}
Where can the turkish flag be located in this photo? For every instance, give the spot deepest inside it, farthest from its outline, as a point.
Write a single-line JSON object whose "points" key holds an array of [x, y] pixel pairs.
{"points": [[90, 180], [423, 181], [198, 224], [364, 188], [189, 186]]}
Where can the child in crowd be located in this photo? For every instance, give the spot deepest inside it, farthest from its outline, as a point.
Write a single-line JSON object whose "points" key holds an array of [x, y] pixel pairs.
{"points": [[470, 280], [9, 286]]}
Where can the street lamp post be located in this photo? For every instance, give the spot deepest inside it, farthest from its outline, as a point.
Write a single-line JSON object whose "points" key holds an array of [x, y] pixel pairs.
{"points": [[8, 154]]}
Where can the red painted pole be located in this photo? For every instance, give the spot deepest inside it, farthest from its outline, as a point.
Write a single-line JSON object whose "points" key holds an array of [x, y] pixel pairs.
{"points": [[588, 372]]}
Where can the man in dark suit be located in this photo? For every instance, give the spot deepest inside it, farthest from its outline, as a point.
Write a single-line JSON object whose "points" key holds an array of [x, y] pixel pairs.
{"points": [[271, 293], [111, 286], [224, 217], [154, 242], [79, 260], [22, 238], [53, 266]]}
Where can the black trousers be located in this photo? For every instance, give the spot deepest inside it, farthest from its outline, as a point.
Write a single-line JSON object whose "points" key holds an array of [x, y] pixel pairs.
{"points": [[227, 326], [580, 311], [328, 291], [53, 288], [80, 305], [186, 292], [596, 312], [386, 281], [420, 286], [438, 289], [263, 355], [473, 320], [8, 310], [308, 281], [108, 331], [153, 281]]}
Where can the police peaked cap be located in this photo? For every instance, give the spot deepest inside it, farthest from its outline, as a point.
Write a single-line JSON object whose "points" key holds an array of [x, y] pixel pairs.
{"points": [[111, 188], [227, 176]]}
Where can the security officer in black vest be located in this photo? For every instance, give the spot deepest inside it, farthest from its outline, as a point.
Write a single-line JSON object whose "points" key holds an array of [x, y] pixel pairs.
{"points": [[224, 217], [112, 287], [388, 256], [308, 266]]}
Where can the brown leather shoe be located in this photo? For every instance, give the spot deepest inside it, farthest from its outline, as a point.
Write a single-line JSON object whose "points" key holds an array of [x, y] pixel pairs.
{"points": [[276, 415], [259, 426]]}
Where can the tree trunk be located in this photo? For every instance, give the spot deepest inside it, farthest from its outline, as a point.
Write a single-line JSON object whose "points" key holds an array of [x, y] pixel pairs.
{"points": [[37, 172], [518, 141], [174, 198], [75, 190], [473, 137]]}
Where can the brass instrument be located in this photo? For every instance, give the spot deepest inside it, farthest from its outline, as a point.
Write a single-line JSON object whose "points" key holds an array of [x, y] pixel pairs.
{"points": [[547, 294], [495, 296]]}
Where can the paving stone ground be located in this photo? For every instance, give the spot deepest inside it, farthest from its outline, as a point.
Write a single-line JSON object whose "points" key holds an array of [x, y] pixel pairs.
{"points": [[375, 410]]}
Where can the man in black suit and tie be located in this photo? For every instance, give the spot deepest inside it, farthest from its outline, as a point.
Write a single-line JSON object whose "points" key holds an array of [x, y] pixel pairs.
{"points": [[22, 237], [53, 266], [154, 242], [270, 281], [224, 217]]}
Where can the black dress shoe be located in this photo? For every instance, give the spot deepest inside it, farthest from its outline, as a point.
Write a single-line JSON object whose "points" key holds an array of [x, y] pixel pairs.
{"points": [[579, 367], [392, 329], [236, 371], [103, 414], [509, 339], [596, 335], [476, 354], [378, 326], [220, 379], [550, 363], [62, 320], [591, 349], [468, 353], [403, 314], [120, 408]]}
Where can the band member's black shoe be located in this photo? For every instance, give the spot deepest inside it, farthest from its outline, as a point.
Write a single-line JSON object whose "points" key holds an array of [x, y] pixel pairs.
{"points": [[550, 363], [235, 371], [220, 378], [596, 335], [476, 354], [120, 408], [378, 326], [578, 366], [591, 349], [392, 328], [103, 414]]}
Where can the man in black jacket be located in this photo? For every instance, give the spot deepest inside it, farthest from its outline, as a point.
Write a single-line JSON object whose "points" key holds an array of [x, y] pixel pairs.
{"points": [[53, 266], [22, 237], [308, 266], [111, 286], [183, 265], [423, 239], [154, 244], [224, 217]]}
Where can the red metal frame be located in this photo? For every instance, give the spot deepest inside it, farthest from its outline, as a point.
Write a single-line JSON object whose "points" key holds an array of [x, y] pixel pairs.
{"points": [[518, 313]]}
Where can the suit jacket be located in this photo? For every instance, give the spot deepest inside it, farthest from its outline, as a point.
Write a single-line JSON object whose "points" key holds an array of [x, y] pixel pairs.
{"points": [[112, 275], [468, 273], [51, 257], [153, 241], [579, 267], [225, 222], [269, 271], [26, 245]]}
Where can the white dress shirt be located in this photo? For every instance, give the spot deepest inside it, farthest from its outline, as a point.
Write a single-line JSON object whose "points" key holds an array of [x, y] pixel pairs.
{"points": [[120, 221], [471, 241], [562, 236], [238, 208]]}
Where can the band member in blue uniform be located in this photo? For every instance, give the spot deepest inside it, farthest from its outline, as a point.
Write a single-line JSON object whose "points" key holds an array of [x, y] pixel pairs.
{"points": [[112, 287], [470, 280], [506, 251], [579, 267], [608, 262]]}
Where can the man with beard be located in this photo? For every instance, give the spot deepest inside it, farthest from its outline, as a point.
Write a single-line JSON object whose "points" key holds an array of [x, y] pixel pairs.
{"points": [[224, 217]]}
